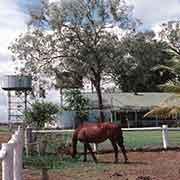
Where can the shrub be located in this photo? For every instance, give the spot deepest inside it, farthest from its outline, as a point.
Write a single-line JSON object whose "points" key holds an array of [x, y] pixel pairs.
{"points": [[41, 113]]}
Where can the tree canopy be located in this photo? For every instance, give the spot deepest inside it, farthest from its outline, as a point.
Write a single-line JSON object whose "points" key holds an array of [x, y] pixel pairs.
{"points": [[170, 107], [73, 36], [137, 72]]}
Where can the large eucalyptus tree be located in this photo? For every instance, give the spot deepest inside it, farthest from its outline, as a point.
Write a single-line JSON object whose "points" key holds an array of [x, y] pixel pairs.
{"points": [[73, 36]]}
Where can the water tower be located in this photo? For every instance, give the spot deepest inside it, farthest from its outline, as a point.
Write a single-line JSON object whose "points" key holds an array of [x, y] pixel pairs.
{"points": [[17, 87]]}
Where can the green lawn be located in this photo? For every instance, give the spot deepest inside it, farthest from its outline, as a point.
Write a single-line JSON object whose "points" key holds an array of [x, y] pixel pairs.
{"points": [[4, 128], [77, 169], [132, 140], [140, 139]]}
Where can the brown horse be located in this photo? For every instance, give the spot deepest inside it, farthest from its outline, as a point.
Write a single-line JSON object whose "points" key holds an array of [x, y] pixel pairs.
{"points": [[97, 133]]}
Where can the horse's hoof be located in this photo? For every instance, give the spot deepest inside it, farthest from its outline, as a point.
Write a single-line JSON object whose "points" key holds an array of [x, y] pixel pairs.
{"points": [[115, 162], [126, 161], [84, 160]]}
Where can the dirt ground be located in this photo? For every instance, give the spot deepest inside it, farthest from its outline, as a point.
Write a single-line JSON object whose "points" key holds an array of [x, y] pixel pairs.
{"points": [[4, 137], [141, 166], [163, 165]]}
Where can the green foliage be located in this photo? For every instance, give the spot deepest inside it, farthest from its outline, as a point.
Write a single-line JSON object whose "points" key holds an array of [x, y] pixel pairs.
{"points": [[134, 72], [40, 113], [50, 161], [170, 34], [171, 86], [77, 102], [80, 41]]}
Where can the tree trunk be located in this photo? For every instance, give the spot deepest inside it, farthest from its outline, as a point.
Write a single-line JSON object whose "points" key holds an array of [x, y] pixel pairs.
{"points": [[100, 102]]}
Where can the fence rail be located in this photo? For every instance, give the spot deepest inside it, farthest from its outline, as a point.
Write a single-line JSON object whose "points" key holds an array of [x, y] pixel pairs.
{"points": [[164, 131], [11, 157]]}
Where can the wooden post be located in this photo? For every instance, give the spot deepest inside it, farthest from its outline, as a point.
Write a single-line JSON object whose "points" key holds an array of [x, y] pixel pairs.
{"points": [[165, 136], [3, 154], [18, 155], [28, 139], [7, 163], [156, 121], [136, 119], [95, 147]]}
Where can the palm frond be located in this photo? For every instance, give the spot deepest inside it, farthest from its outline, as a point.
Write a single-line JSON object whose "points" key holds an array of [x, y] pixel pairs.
{"points": [[175, 110], [162, 67], [159, 111], [163, 111], [171, 86]]}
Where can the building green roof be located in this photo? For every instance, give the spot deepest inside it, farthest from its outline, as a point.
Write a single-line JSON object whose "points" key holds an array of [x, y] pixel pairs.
{"points": [[132, 101]]}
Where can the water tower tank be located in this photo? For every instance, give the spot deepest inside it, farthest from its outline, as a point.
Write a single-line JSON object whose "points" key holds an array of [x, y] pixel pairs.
{"points": [[17, 83]]}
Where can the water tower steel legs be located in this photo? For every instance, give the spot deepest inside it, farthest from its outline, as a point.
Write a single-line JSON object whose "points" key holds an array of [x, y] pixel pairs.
{"points": [[9, 109], [16, 107]]}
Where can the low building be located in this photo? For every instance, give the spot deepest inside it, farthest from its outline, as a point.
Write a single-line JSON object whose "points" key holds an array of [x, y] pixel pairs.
{"points": [[128, 108]]}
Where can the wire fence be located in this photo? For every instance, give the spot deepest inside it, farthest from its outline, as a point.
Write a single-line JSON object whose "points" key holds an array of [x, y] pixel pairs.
{"points": [[134, 139]]}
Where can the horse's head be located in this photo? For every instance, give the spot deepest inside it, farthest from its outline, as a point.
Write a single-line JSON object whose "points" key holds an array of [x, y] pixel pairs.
{"points": [[64, 150], [68, 150], [73, 151]]}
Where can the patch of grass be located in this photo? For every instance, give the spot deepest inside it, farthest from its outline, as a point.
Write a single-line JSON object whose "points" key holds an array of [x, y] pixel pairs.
{"points": [[140, 139], [50, 161], [174, 137], [4, 128], [74, 169], [132, 140]]}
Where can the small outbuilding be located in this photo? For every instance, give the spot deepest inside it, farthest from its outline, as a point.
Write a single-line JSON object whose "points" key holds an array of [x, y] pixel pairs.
{"points": [[129, 108]]}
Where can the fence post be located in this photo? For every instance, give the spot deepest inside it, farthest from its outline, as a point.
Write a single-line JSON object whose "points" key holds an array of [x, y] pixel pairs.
{"points": [[7, 163], [18, 155], [165, 136], [95, 147], [28, 139]]}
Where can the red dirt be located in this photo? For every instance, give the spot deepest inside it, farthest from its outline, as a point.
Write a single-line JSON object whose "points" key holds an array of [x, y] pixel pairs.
{"points": [[4, 137], [141, 166], [163, 165]]}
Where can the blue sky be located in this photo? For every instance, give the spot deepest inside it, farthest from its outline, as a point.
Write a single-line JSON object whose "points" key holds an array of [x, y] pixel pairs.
{"points": [[13, 19]]}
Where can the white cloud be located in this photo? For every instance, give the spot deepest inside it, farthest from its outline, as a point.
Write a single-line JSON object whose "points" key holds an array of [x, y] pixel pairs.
{"points": [[12, 22], [157, 11]]}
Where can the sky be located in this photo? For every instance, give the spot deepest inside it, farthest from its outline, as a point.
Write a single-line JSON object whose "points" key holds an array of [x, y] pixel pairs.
{"points": [[13, 19]]}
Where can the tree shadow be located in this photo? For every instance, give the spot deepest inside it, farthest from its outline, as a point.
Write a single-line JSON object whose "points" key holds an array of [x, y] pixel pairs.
{"points": [[122, 163]]}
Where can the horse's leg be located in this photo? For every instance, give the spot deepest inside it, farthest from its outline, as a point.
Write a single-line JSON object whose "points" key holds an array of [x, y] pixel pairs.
{"points": [[92, 153], [115, 147], [121, 145], [85, 152]]}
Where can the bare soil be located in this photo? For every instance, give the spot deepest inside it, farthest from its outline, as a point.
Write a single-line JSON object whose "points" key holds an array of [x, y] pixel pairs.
{"points": [[142, 166], [161, 165], [4, 137]]}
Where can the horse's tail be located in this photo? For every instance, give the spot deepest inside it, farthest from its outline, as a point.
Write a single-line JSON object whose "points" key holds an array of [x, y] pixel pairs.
{"points": [[74, 143]]}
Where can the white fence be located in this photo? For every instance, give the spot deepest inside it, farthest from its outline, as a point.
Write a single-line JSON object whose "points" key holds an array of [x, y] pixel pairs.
{"points": [[11, 157], [164, 129]]}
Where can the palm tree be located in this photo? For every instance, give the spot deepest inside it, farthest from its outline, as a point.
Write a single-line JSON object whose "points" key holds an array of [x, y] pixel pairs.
{"points": [[170, 106]]}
